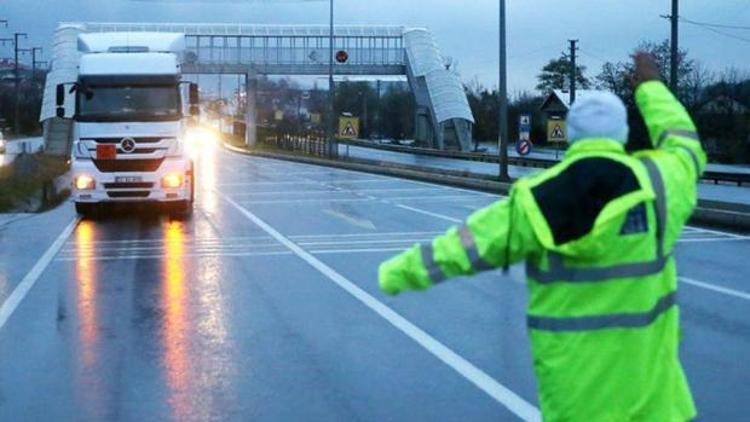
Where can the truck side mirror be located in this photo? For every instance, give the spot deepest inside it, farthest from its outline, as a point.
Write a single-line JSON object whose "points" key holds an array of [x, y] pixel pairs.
{"points": [[60, 101]]}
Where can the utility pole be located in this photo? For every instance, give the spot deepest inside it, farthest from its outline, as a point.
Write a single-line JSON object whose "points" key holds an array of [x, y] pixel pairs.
{"points": [[34, 61], [502, 98], [332, 147], [16, 83], [673, 59], [573, 73]]}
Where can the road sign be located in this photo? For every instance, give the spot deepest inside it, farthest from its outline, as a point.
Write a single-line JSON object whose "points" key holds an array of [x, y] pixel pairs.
{"points": [[525, 120], [348, 127], [556, 131], [342, 56], [524, 127], [523, 147]]}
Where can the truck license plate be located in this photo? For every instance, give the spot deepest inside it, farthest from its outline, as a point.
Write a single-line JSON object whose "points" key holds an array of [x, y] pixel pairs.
{"points": [[106, 152], [128, 179]]}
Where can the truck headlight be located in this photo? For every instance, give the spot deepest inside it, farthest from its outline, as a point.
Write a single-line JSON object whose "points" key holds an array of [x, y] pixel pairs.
{"points": [[171, 181], [85, 182]]}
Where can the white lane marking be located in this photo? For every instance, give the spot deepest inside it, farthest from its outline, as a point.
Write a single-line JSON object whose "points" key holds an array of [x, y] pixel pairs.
{"points": [[363, 242], [343, 251], [23, 288], [711, 239], [197, 247], [718, 289], [436, 197], [476, 376], [169, 256], [310, 200], [430, 213], [321, 192], [364, 235], [736, 236], [195, 241]]}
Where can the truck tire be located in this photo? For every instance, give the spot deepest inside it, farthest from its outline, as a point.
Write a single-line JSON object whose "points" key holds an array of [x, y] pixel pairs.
{"points": [[86, 209]]}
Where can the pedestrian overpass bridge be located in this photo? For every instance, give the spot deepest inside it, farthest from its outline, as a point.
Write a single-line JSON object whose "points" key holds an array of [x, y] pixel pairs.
{"points": [[443, 119]]}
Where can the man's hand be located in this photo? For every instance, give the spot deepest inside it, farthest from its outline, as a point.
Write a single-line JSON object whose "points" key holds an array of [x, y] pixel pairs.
{"points": [[646, 68], [403, 272], [391, 278]]}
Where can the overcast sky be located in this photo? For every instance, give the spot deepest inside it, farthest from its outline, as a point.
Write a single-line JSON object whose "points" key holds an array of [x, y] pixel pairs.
{"points": [[466, 30]]}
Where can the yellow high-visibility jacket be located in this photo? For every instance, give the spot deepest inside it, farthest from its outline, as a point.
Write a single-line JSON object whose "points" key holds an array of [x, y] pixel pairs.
{"points": [[597, 233]]}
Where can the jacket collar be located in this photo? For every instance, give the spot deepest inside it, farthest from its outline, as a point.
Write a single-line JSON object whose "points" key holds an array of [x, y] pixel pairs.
{"points": [[586, 146]]}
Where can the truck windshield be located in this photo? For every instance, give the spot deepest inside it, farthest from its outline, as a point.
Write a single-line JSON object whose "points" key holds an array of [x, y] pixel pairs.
{"points": [[128, 103]]}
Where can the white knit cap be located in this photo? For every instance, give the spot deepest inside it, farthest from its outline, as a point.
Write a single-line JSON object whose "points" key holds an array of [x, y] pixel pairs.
{"points": [[598, 114]]}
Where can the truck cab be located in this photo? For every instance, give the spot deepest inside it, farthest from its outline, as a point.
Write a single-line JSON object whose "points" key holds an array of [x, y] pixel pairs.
{"points": [[129, 122]]}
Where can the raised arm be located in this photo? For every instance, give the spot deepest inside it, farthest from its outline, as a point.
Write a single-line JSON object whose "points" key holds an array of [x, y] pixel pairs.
{"points": [[669, 125], [494, 236]]}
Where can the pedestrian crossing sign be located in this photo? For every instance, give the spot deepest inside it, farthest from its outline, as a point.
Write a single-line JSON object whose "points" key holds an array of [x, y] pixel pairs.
{"points": [[348, 127], [556, 131]]}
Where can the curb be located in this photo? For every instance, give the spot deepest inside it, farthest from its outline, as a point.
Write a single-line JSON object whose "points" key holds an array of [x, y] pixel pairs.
{"points": [[708, 212]]}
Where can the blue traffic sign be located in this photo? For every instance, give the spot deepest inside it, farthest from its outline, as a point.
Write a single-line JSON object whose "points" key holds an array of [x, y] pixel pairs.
{"points": [[523, 147]]}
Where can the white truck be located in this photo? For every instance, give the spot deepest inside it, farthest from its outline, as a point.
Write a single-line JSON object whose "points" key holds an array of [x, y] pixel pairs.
{"points": [[129, 126]]}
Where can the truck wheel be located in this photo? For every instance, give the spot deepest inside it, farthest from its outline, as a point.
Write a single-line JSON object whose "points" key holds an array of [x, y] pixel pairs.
{"points": [[181, 208], [86, 209]]}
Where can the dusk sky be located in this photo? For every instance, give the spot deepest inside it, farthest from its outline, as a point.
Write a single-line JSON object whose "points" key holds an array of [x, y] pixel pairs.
{"points": [[466, 30]]}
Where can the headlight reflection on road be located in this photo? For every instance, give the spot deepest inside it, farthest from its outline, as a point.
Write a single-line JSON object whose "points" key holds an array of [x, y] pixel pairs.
{"points": [[86, 288], [89, 383], [175, 326]]}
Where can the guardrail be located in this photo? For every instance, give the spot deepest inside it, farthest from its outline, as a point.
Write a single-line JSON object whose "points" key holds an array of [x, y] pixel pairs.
{"points": [[715, 176], [311, 143]]}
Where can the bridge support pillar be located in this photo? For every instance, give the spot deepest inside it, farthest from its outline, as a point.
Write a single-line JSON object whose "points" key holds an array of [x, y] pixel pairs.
{"points": [[251, 127]]}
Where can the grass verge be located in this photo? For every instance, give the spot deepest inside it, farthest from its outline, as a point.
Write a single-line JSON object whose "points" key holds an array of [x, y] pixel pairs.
{"points": [[27, 177]]}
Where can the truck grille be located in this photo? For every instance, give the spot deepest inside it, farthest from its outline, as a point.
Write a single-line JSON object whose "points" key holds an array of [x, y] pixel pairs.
{"points": [[111, 166], [129, 185], [129, 194], [138, 140]]}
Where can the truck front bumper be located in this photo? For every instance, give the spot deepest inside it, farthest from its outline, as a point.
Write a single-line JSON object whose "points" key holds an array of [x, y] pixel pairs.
{"points": [[133, 186]]}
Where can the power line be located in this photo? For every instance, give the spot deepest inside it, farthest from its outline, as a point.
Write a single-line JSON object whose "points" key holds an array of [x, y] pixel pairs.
{"points": [[716, 25], [716, 31]]}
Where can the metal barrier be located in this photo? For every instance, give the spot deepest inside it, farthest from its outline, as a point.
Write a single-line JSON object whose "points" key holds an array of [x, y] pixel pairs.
{"points": [[310, 142], [715, 176]]}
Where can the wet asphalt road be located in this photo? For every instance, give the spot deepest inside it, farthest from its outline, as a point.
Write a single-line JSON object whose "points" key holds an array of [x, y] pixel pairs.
{"points": [[264, 306]]}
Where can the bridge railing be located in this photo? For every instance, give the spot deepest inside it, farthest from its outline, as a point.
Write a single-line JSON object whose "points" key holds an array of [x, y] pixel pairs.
{"points": [[364, 50]]}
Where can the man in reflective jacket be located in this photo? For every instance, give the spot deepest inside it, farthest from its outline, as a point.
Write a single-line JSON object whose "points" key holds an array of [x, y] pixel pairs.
{"points": [[597, 233]]}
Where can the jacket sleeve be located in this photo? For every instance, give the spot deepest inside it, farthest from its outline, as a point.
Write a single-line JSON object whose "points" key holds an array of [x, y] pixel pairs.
{"points": [[670, 127], [492, 237]]}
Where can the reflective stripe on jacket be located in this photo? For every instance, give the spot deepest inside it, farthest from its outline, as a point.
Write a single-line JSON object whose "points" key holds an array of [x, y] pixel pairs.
{"points": [[597, 233]]}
